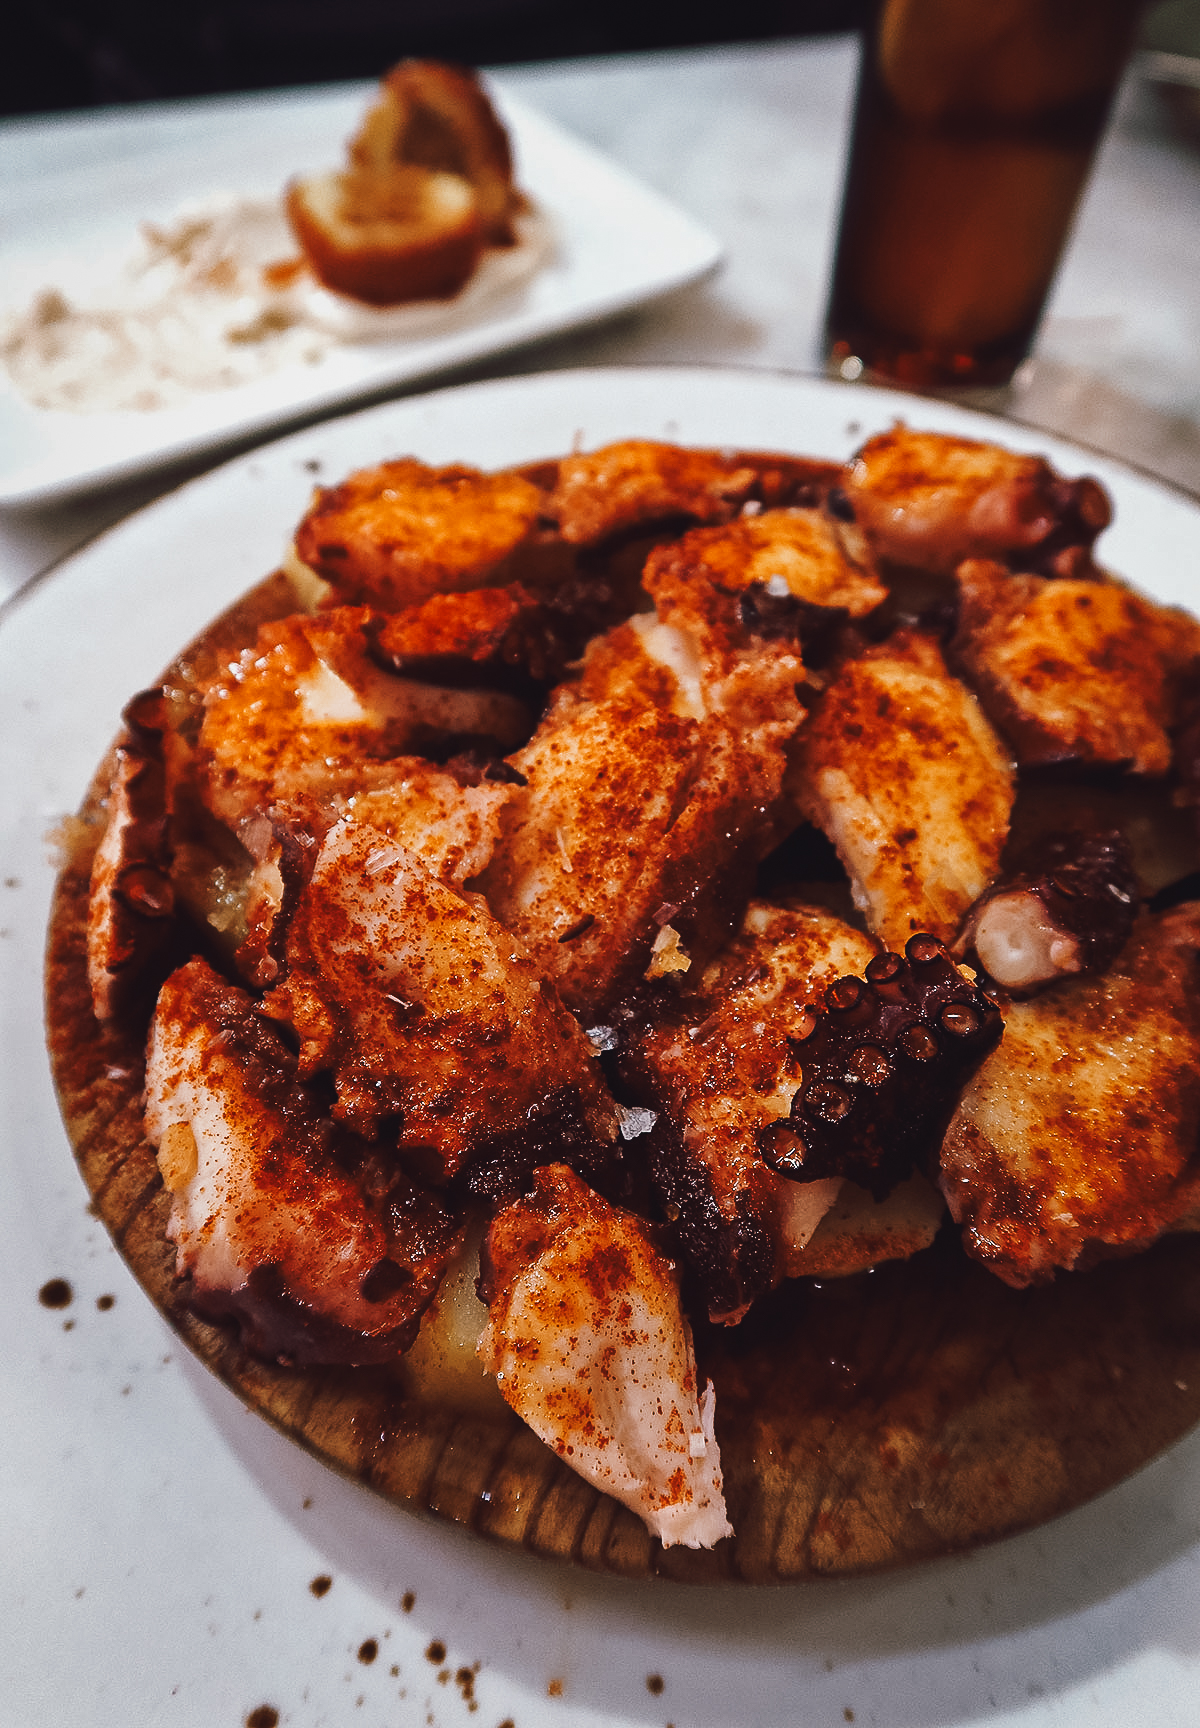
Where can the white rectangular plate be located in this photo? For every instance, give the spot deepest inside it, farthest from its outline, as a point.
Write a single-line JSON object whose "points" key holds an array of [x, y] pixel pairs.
{"points": [[615, 244]]}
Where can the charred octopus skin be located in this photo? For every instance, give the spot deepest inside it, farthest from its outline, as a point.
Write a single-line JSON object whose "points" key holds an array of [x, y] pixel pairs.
{"points": [[883, 1068], [1069, 908]]}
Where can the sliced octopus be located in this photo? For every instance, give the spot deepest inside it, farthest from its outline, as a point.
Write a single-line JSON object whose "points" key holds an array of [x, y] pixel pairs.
{"points": [[425, 1010], [131, 904], [901, 769], [271, 1225], [589, 1345], [309, 712], [648, 793], [1078, 1135], [486, 834], [1074, 670], [1068, 907], [929, 500], [393, 535], [638, 483]]}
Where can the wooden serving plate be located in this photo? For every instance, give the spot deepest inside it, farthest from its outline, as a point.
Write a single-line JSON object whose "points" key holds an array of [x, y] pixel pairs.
{"points": [[864, 1423]]}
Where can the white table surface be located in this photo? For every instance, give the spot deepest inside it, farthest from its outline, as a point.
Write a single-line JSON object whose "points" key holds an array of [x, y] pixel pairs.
{"points": [[1090, 1622], [750, 141]]}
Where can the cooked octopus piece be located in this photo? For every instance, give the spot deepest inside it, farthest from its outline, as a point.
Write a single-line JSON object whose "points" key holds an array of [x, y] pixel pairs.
{"points": [[717, 1062], [1074, 670], [131, 905], [729, 661], [425, 1009], [258, 904], [270, 1227], [509, 632], [883, 1060], [589, 1345], [649, 788], [790, 571], [639, 483], [308, 713], [588, 852], [395, 534], [900, 768], [929, 500], [1078, 1135], [1068, 907], [482, 627], [449, 823], [435, 116]]}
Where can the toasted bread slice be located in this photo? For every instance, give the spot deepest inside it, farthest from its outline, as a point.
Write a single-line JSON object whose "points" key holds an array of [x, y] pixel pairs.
{"points": [[434, 116], [404, 234]]}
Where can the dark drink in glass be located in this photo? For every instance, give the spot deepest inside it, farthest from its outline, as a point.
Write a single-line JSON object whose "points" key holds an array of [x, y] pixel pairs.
{"points": [[975, 128]]}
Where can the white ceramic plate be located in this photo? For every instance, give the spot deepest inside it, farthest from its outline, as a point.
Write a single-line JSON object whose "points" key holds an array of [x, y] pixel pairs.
{"points": [[612, 243], [159, 1542]]}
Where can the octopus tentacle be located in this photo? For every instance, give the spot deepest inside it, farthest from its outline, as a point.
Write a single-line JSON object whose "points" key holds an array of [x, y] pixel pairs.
{"points": [[1069, 909], [883, 1066]]}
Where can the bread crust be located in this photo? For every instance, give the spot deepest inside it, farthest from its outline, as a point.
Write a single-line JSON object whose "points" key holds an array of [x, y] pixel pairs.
{"points": [[438, 116], [427, 186], [412, 234]]}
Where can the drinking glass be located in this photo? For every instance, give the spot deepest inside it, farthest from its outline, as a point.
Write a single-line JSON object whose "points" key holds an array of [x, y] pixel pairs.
{"points": [[975, 127]]}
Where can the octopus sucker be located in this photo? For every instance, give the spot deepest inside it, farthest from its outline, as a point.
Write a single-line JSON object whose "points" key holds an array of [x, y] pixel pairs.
{"points": [[589, 1345], [716, 1061], [270, 1227], [930, 500], [883, 1061], [1077, 1136], [1068, 907]]}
